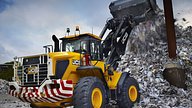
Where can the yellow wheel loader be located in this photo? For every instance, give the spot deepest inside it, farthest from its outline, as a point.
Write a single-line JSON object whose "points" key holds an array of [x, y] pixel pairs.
{"points": [[81, 70], [73, 74]]}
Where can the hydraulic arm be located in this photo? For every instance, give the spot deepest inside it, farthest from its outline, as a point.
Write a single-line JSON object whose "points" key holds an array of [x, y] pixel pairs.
{"points": [[126, 14]]}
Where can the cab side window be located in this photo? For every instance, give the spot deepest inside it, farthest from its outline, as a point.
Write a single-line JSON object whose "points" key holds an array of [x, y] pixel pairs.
{"points": [[95, 50]]}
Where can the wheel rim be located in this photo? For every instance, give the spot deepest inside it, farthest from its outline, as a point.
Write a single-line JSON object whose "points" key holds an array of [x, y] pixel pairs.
{"points": [[96, 98], [132, 93]]}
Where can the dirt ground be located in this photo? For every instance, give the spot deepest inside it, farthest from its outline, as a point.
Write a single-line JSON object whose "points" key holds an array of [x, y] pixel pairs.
{"points": [[7, 101]]}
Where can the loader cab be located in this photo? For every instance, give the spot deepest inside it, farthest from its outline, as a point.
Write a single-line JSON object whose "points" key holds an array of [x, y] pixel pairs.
{"points": [[84, 44]]}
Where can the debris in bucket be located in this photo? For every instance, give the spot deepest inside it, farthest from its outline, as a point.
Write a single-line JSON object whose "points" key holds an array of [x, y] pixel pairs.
{"points": [[145, 57]]}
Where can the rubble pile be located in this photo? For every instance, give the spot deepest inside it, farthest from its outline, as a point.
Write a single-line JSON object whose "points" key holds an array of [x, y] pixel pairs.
{"points": [[3, 86], [184, 49], [145, 57]]}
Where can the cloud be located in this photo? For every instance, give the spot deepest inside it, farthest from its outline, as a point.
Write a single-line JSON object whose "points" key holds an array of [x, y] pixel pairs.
{"points": [[26, 26], [4, 4]]}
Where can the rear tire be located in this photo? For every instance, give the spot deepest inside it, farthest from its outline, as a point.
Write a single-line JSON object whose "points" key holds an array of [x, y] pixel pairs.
{"points": [[89, 93], [129, 93]]}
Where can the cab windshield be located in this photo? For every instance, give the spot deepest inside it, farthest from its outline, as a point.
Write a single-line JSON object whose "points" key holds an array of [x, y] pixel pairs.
{"points": [[74, 46]]}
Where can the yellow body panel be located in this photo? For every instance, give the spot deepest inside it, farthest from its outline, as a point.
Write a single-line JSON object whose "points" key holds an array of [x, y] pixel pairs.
{"points": [[100, 64], [65, 56], [113, 80]]}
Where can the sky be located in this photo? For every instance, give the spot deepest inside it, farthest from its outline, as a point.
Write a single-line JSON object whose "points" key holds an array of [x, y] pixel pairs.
{"points": [[27, 25]]}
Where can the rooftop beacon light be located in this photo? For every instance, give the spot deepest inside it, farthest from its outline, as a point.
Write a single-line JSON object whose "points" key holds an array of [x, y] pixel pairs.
{"points": [[77, 29], [68, 31]]}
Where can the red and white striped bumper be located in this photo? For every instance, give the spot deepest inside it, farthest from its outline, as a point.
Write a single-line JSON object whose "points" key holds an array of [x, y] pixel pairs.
{"points": [[45, 93]]}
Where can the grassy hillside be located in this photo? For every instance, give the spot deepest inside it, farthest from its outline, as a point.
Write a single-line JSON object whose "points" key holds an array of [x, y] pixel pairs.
{"points": [[6, 71]]}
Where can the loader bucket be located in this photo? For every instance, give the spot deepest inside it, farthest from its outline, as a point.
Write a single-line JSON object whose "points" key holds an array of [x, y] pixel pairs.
{"points": [[175, 76], [134, 8]]}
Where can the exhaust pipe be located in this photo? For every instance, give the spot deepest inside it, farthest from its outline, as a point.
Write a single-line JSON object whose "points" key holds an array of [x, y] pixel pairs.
{"points": [[56, 43]]}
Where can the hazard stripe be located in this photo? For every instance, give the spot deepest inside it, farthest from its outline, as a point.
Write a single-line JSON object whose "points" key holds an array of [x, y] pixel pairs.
{"points": [[37, 96], [63, 95], [57, 91], [29, 94], [34, 95], [21, 94], [64, 87], [48, 95], [29, 97], [55, 94], [51, 94], [69, 82], [25, 95], [63, 92]]}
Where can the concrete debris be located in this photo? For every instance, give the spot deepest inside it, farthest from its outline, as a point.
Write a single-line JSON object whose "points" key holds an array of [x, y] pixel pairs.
{"points": [[145, 57]]}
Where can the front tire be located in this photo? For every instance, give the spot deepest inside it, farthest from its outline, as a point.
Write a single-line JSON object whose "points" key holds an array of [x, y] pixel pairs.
{"points": [[89, 93], [129, 93]]}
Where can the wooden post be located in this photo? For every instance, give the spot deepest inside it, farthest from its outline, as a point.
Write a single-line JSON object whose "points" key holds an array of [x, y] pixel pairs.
{"points": [[170, 28]]}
